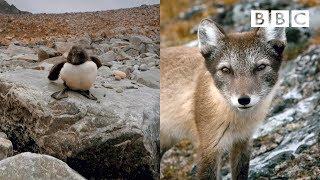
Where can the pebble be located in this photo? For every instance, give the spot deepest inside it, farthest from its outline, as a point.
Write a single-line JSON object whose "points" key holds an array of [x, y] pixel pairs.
{"points": [[118, 78], [119, 75]]}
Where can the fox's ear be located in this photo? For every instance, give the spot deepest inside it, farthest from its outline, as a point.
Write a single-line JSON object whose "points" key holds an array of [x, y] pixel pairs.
{"points": [[274, 36], [209, 36]]}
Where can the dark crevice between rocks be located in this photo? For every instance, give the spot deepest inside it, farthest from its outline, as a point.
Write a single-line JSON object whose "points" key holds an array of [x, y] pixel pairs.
{"points": [[116, 158], [21, 141]]}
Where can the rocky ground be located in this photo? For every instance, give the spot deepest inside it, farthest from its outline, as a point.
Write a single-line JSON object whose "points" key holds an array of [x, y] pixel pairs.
{"points": [[45, 28], [115, 136], [287, 145]]}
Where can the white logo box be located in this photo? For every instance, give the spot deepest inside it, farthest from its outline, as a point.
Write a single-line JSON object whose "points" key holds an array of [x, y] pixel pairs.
{"points": [[280, 18]]}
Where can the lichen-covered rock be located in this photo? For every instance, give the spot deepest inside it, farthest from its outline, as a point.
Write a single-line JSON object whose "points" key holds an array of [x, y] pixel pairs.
{"points": [[36, 166]]}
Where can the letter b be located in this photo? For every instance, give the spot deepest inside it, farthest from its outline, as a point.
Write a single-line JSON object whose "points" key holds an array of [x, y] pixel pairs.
{"points": [[259, 18], [279, 18]]}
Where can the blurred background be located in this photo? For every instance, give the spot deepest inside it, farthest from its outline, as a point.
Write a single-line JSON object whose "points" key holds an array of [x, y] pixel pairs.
{"points": [[180, 18], [287, 145]]}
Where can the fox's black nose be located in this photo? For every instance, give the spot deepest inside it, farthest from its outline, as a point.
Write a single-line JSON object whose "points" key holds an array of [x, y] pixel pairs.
{"points": [[244, 100]]}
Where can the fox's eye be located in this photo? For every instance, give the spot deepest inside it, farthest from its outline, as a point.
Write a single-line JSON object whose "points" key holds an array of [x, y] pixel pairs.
{"points": [[261, 67], [226, 70]]}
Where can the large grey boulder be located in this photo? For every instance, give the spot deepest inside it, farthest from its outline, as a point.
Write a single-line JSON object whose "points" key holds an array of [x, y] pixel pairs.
{"points": [[37, 167], [99, 139]]}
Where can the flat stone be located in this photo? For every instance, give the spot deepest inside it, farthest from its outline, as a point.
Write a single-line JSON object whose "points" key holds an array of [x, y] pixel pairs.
{"points": [[26, 57], [107, 57], [14, 50], [150, 78]]}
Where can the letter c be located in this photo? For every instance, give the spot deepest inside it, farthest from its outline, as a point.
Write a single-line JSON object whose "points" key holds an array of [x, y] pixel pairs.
{"points": [[299, 22]]}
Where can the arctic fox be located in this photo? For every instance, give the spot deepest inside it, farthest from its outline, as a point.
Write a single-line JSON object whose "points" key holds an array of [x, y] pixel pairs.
{"points": [[217, 94]]}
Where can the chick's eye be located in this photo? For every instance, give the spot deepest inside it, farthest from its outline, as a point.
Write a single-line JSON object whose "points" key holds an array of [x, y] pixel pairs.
{"points": [[226, 70], [261, 67]]}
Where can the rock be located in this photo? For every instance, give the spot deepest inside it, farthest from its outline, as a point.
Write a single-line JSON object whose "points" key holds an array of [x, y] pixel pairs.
{"points": [[63, 47], [131, 50], [6, 148], [136, 40], [54, 60], [42, 55], [14, 50], [3, 135], [118, 78], [26, 57], [143, 67], [100, 140], [84, 41], [107, 57], [46, 53], [142, 48], [116, 41], [105, 72], [119, 74], [149, 78], [119, 90], [36, 166], [151, 130], [153, 48]]}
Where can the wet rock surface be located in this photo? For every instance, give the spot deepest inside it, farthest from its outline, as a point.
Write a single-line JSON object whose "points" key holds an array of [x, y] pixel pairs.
{"points": [[108, 138]]}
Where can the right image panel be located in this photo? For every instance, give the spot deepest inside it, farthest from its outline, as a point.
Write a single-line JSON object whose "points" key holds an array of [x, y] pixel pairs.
{"points": [[240, 89]]}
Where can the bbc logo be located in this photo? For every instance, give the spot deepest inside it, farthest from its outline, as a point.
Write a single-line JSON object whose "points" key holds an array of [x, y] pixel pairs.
{"points": [[279, 18]]}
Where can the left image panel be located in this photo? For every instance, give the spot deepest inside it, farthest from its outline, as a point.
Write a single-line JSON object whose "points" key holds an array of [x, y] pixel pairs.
{"points": [[79, 89]]}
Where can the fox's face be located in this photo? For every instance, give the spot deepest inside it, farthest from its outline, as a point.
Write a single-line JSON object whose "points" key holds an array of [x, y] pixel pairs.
{"points": [[244, 66]]}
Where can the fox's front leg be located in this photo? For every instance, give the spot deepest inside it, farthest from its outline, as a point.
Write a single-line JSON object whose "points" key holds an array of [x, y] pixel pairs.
{"points": [[239, 160], [209, 165]]}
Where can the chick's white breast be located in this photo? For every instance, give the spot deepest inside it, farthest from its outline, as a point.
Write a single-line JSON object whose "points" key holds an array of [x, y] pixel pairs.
{"points": [[79, 77]]}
